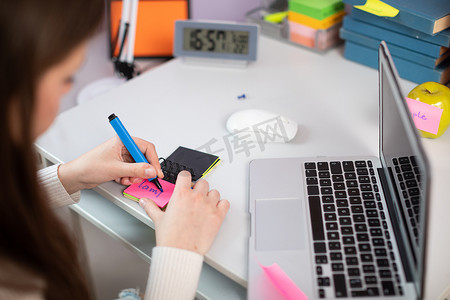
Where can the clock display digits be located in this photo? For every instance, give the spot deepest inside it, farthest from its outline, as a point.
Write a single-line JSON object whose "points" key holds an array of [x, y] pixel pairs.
{"points": [[211, 40], [195, 42], [220, 37], [217, 41]]}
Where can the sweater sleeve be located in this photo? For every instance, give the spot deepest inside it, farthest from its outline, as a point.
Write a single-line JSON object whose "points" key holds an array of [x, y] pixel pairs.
{"points": [[58, 196], [174, 274]]}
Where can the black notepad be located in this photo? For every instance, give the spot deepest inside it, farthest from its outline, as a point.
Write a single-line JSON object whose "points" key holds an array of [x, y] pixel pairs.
{"points": [[196, 162]]}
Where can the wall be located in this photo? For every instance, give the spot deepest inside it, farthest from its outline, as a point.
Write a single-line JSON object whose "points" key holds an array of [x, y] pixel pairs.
{"points": [[230, 10]]}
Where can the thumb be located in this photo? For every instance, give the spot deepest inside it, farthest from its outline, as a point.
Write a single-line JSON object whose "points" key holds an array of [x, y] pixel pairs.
{"points": [[151, 209], [139, 170]]}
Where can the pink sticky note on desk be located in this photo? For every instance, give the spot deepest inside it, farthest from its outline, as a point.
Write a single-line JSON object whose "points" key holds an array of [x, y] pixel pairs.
{"points": [[145, 189], [283, 283], [426, 117]]}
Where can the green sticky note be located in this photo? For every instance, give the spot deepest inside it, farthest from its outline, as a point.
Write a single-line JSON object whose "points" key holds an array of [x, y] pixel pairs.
{"points": [[317, 9]]}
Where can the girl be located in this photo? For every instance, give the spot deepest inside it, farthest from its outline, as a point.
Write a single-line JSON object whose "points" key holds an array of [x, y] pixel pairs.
{"points": [[42, 45]]}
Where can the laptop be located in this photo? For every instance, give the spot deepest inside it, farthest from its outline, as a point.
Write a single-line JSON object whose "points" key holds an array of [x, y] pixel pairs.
{"points": [[345, 227]]}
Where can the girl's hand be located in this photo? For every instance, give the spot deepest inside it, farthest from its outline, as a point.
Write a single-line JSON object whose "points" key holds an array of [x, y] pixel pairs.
{"points": [[192, 218], [109, 161]]}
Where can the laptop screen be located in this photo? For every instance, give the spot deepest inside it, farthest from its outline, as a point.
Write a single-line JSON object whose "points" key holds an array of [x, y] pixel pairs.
{"points": [[405, 168]]}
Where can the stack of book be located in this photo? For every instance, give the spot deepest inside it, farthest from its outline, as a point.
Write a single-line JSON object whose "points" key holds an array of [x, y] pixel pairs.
{"points": [[418, 38], [315, 24]]}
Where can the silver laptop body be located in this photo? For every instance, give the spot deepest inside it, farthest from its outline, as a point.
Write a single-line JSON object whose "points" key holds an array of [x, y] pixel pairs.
{"points": [[345, 227]]}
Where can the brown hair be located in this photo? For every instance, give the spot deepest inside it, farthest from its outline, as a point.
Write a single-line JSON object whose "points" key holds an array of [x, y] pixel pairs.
{"points": [[36, 35]]}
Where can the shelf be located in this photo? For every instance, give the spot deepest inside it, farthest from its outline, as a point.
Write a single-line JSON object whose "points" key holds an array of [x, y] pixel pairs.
{"points": [[140, 239]]}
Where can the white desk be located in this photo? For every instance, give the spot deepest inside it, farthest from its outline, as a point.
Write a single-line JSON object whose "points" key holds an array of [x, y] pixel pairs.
{"points": [[334, 101]]}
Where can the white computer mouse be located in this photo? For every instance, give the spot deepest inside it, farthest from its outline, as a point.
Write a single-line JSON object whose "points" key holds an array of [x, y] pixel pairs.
{"points": [[262, 125]]}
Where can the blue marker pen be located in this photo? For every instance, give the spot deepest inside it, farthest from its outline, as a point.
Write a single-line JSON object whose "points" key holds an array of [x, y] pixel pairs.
{"points": [[130, 145]]}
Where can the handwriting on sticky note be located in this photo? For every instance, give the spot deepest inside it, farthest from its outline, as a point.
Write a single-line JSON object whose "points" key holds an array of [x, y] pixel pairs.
{"points": [[426, 117], [378, 8], [283, 283], [146, 189]]}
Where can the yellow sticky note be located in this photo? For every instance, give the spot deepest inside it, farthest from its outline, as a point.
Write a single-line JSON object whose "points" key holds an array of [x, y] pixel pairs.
{"points": [[276, 17], [378, 8]]}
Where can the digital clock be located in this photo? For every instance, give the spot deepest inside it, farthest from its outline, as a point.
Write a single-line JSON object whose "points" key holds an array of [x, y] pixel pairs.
{"points": [[216, 40]]}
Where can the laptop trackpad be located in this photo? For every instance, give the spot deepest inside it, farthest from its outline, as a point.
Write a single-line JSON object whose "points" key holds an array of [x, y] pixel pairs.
{"points": [[279, 224]]}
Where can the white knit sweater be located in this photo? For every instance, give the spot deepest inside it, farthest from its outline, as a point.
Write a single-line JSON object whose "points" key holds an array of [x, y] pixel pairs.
{"points": [[174, 273]]}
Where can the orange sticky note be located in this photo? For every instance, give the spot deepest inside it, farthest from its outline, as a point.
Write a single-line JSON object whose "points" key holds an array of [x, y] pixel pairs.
{"points": [[283, 283], [426, 117], [148, 190]]}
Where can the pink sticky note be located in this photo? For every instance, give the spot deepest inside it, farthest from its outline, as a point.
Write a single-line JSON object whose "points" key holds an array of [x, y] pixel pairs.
{"points": [[426, 117], [283, 283], [145, 189]]}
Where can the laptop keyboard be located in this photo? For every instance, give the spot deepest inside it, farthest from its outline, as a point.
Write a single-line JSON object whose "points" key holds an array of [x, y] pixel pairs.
{"points": [[352, 246], [408, 177]]}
